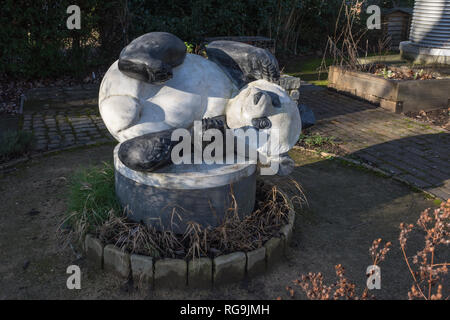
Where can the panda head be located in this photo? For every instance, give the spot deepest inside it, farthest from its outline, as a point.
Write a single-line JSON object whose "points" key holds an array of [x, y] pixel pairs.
{"points": [[266, 107]]}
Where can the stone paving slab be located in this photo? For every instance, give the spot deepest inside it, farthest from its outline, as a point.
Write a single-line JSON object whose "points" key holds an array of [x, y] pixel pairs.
{"points": [[409, 150], [58, 128]]}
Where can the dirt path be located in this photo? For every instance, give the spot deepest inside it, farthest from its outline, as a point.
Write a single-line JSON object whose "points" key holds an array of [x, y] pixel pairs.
{"points": [[348, 208]]}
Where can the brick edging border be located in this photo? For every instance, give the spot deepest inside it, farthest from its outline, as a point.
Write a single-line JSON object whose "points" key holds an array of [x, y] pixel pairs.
{"points": [[196, 273], [368, 167]]}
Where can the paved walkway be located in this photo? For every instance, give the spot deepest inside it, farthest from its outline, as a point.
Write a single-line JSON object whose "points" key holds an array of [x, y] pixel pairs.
{"points": [[407, 149], [62, 117]]}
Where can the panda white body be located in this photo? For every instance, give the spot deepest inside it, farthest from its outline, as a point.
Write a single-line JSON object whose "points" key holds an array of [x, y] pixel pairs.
{"points": [[198, 89], [131, 108]]}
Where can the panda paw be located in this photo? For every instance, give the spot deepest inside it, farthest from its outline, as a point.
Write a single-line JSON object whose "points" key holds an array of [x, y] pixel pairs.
{"points": [[146, 153]]}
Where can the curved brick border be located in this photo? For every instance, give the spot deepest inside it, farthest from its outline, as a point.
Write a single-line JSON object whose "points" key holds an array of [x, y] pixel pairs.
{"points": [[195, 273]]}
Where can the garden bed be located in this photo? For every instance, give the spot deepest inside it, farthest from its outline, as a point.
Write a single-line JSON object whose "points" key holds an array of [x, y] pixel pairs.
{"points": [[439, 117], [196, 272], [400, 96], [239, 246]]}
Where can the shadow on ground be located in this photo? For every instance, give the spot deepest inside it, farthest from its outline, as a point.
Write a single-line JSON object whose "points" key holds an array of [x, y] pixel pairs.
{"points": [[348, 208], [423, 160]]}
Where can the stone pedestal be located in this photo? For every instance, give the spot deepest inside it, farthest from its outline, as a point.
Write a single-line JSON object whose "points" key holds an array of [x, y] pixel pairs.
{"points": [[172, 196]]}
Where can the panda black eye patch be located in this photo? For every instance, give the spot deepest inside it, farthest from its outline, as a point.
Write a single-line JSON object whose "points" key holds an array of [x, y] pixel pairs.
{"points": [[275, 99], [273, 96], [256, 97], [262, 123]]}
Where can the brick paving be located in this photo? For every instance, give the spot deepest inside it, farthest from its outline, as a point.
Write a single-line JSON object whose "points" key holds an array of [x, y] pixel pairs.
{"points": [[407, 149], [60, 128], [63, 117]]}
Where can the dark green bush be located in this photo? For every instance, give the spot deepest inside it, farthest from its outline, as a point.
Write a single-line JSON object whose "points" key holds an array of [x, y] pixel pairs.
{"points": [[36, 43], [14, 144]]}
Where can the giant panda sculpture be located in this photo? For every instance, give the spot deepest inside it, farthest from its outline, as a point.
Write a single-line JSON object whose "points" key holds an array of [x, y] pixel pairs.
{"points": [[156, 87]]}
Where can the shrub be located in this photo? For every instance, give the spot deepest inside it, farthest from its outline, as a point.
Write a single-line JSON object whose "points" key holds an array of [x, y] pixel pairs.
{"points": [[36, 42], [427, 273], [91, 198], [14, 144]]}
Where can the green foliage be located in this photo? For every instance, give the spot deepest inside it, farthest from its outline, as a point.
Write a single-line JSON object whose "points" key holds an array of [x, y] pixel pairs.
{"points": [[92, 197], [387, 74], [14, 144], [36, 42], [315, 140], [189, 47], [296, 25]]}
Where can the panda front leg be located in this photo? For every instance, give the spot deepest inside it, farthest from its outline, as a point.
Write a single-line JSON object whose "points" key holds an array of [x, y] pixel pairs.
{"points": [[151, 151]]}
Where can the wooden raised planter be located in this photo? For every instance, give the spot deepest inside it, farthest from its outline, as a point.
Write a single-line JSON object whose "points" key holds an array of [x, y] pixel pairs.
{"points": [[399, 96]]}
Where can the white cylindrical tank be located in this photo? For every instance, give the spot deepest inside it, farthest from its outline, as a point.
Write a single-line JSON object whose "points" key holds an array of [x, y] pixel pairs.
{"points": [[430, 32], [430, 26]]}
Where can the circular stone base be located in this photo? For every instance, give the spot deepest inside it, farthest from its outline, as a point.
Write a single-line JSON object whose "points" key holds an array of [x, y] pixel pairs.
{"points": [[201, 272], [424, 55], [170, 197]]}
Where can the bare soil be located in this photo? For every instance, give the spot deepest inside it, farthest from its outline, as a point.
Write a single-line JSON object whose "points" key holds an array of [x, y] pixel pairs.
{"points": [[348, 208]]}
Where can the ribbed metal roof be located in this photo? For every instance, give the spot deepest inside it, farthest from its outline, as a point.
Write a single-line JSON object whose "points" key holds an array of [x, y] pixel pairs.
{"points": [[430, 26]]}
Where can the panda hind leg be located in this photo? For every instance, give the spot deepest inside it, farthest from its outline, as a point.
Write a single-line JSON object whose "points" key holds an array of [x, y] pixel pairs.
{"points": [[152, 56]]}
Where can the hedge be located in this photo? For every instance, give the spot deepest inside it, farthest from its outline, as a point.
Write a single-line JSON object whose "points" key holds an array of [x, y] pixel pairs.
{"points": [[36, 43]]}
